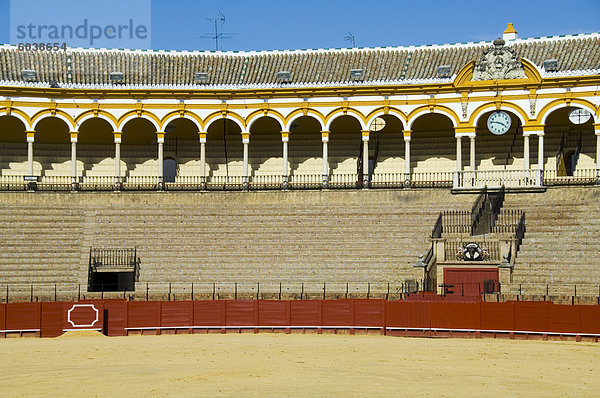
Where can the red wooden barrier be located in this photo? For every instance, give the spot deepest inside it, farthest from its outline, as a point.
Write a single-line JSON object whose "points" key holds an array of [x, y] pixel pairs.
{"points": [[23, 317], [115, 322], [2, 316], [209, 313], [119, 317]]}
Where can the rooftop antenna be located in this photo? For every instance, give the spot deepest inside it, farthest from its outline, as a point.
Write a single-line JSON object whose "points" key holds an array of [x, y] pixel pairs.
{"points": [[218, 20], [350, 37]]}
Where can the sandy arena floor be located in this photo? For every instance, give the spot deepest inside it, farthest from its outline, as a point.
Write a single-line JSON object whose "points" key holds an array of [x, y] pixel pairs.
{"points": [[296, 365]]}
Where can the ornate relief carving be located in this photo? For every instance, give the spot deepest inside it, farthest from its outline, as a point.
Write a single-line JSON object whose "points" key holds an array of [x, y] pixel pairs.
{"points": [[499, 62]]}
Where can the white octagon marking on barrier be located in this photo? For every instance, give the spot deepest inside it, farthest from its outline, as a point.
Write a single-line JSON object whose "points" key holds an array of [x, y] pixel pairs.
{"points": [[81, 305]]}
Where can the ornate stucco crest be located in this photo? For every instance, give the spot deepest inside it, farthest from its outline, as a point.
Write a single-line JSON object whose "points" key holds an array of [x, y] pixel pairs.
{"points": [[499, 62]]}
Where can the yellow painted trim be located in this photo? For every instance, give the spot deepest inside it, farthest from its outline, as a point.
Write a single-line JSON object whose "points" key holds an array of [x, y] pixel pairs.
{"points": [[344, 111], [433, 109], [306, 112], [510, 28], [265, 113], [567, 101], [138, 112], [497, 105], [94, 112], [386, 110], [181, 114], [221, 114], [9, 110], [40, 115]]}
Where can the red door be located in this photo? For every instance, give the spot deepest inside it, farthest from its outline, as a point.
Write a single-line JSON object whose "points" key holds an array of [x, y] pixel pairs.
{"points": [[470, 281]]}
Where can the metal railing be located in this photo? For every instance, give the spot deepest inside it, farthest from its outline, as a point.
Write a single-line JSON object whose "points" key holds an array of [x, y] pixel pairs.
{"points": [[497, 178], [579, 177], [461, 180], [507, 221], [211, 290]]}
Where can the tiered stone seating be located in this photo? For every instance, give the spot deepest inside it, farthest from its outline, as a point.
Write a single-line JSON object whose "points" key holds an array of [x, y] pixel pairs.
{"points": [[362, 236], [560, 245]]}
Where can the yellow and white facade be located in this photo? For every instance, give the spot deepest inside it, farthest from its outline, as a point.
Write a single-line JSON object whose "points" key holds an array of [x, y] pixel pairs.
{"points": [[307, 134]]}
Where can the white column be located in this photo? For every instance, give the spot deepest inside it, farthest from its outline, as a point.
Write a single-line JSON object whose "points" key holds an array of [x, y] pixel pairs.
{"points": [[161, 141], [472, 153], [407, 153], [117, 157], [285, 138], [526, 152], [325, 139], [30, 140], [541, 151], [245, 141], [540, 162], [458, 154], [74, 157], [597, 127], [365, 159], [458, 175], [203, 155]]}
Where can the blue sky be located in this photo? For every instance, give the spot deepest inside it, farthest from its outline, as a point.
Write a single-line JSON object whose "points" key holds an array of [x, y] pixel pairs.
{"points": [[265, 25]]}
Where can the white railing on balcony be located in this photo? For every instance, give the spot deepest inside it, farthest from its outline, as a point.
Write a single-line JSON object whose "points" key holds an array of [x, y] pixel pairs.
{"points": [[497, 178], [584, 176], [458, 180], [305, 181], [12, 180]]}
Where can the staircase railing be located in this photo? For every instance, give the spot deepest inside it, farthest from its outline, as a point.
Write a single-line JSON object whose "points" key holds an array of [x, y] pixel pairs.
{"points": [[479, 210], [520, 233]]}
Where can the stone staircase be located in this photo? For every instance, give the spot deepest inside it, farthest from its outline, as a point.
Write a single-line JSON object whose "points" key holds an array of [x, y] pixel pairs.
{"points": [[561, 244]]}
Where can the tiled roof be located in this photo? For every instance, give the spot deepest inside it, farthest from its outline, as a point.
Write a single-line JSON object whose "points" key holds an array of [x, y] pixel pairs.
{"points": [[91, 67]]}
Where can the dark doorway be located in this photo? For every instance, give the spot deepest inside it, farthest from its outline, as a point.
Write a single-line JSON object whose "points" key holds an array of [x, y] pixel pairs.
{"points": [[101, 281], [169, 170]]}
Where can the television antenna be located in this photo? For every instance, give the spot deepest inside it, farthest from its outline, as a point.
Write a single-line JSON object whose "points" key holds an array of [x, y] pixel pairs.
{"points": [[219, 20], [350, 38]]}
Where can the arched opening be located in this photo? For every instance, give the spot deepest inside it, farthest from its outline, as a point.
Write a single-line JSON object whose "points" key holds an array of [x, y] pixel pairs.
{"points": [[96, 150], [13, 147], [169, 170], [182, 144], [500, 152], [52, 149], [345, 151], [305, 151], [569, 146], [265, 151], [224, 152], [433, 149], [139, 150], [386, 151]]}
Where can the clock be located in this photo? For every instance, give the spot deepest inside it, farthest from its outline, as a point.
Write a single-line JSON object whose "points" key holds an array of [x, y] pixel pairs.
{"points": [[498, 123], [579, 116]]}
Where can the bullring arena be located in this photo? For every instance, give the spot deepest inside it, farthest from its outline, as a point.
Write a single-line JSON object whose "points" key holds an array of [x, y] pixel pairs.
{"points": [[446, 191]]}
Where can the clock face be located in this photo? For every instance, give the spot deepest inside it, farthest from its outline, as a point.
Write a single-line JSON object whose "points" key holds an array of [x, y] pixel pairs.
{"points": [[498, 123], [579, 116]]}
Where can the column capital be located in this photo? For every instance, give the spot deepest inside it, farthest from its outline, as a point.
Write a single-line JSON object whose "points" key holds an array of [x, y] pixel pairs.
{"points": [[202, 136], [465, 130], [534, 129], [325, 136], [597, 128], [30, 135], [117, 136], [73, 135], [285, 136], [365, 135], [160, 137], [245, 138], [465, 134], [406, 134]]}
